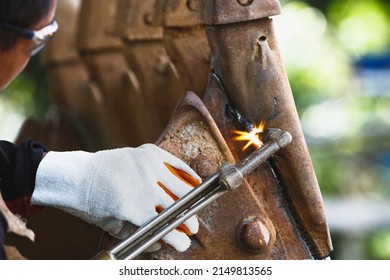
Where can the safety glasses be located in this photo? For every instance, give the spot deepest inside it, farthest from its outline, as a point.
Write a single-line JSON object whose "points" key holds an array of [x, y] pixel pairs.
{"points": [[40, 37]]}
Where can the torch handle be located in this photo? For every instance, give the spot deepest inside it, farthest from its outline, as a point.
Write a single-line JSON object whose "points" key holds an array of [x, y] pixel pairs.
{"points": [[157, 235], [104, 256], [165, 216]]}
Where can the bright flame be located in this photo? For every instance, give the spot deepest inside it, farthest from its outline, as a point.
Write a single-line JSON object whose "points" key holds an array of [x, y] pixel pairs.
{"points": [[252, 137]]}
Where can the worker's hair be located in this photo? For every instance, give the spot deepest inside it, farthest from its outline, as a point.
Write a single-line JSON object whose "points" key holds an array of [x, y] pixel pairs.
{"points": [[22, 13]]}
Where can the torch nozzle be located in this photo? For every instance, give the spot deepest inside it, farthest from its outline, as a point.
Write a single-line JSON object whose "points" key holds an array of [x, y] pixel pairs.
{"points": [[282, 138], [233, 175]]}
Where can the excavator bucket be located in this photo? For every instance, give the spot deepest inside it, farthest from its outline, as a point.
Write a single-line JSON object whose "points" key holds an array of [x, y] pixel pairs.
{"points": [[279, 213], [185, 75]]}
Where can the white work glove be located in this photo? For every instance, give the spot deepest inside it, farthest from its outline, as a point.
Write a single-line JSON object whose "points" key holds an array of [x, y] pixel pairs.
{"points": [[116, 188]]}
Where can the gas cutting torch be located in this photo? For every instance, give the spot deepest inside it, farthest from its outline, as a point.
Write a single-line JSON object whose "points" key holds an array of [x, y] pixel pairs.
{"points": [[228, 178]]}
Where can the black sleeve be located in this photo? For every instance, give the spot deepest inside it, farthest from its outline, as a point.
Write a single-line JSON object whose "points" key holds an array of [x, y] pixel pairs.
{"points": [[3, 230], [18, 167]]}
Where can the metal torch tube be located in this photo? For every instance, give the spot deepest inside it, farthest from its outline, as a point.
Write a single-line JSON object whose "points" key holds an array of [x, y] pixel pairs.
{"points": [[229, 178], [156, 236], [175, 209]]}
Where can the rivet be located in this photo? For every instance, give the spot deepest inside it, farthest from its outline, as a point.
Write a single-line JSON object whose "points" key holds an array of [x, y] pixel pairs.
{"points": [[148, 18], [254, 234], [192, 5], [204, 165], [163, 64], [245, 2]]}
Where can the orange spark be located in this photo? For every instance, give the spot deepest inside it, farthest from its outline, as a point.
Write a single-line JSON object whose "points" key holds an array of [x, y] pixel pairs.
{"points": [[253, 137]]}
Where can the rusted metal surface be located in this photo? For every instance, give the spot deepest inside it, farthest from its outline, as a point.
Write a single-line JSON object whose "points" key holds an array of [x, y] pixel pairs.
{"points": [[97, 26], [64, 49], [252, 73], [185, 41], [177, 13], [146, 55], [102, 53], [232, 11], [279, 213], [135, 20], [226, 231], [77, 98]]}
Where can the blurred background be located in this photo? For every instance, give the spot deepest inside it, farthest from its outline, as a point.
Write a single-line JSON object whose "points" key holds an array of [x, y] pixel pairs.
{"points": [[337, 57]]}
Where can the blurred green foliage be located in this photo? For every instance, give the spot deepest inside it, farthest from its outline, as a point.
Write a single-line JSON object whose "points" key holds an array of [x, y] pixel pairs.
{"points": [[378, 245], [29, 92], [343, 121], [344, 116]]}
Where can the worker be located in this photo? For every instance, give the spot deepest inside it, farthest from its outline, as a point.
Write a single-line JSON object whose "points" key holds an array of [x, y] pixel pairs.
{"points": [[113, 189]]}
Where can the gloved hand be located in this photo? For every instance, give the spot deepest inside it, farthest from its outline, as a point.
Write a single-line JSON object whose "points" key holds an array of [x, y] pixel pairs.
{"points": [[115, 188]]}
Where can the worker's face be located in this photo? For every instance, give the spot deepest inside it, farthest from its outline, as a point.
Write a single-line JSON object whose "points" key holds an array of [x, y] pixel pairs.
{"points": [[13, 62]]}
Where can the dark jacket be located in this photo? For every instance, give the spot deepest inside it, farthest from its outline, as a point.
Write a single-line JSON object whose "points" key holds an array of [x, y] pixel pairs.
{"points": [[3, 231], [18, 167]]}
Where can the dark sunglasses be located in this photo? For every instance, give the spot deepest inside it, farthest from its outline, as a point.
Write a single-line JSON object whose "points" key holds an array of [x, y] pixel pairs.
{"points": [[40, 37]]}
